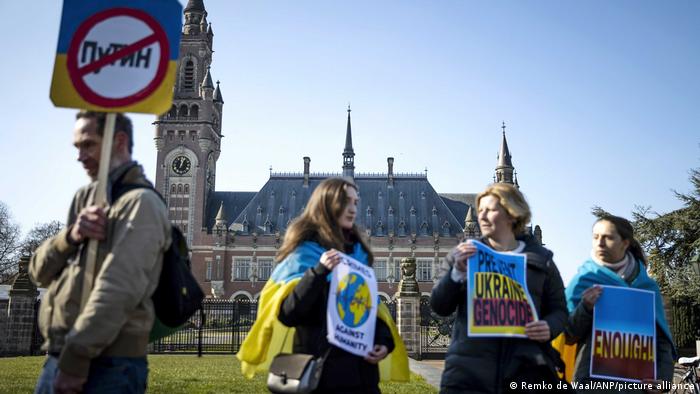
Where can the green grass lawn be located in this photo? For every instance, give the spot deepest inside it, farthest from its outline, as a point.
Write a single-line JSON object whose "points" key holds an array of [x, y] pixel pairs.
{"points": [[180, 374]]}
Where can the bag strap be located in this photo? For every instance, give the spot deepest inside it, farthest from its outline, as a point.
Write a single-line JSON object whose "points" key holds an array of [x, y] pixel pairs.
{"points": [[321, 359]]}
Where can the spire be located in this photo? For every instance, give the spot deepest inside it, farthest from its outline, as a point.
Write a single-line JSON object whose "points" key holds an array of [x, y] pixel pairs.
{"points": [[207, 79], [470, 218], [217, 94], [504, 154], [195, 17], [195, 5], [504, 169], [348, 152], [471, 230], [221, 216]]}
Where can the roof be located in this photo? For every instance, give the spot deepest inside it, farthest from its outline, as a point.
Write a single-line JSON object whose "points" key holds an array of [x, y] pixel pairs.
{"points": [[194, 5], [234, 202], [411, 206]]}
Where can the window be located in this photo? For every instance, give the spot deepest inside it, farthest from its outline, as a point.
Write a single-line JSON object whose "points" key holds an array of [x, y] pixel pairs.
{"points": [[208, 274], [380, 270], [188, 80], [264, 268], [397, 270], [424, 270], [219, 270], [241, 269]]}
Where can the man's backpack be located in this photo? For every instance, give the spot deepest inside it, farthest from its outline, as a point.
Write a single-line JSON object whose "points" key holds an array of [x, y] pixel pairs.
{"points": [[178, 295]]}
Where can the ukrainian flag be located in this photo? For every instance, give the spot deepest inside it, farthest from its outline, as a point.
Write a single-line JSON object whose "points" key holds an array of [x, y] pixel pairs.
{"points": [[267, 336]]}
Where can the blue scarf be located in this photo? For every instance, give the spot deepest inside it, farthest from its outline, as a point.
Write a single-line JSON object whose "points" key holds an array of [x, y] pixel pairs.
{"points": [[591, 273], [306, 256]]}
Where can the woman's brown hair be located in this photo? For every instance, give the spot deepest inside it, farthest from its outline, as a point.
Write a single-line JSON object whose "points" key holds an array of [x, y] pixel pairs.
{"points": [[319, 221]]}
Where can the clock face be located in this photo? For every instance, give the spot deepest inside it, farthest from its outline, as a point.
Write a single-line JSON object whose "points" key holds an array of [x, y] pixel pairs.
{"points": [[181, 165]]}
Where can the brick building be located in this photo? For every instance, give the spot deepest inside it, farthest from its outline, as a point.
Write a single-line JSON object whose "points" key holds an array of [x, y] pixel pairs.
{"points": [[234, 235]]}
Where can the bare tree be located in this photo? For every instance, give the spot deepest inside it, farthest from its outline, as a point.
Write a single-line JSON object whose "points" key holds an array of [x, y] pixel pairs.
{"points": [[9, 243], [38, 234]]}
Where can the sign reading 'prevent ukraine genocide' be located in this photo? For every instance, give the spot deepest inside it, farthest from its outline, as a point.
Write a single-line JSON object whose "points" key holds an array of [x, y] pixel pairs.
{"points": [[498, 302], [624, 335], [352, 307], [117, 55]]}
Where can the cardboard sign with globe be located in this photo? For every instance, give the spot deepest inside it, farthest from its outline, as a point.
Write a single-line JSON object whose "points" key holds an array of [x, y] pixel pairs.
{"points": [[352, 307]]}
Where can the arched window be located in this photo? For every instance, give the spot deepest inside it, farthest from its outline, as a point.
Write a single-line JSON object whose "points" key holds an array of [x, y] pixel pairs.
{"points": [[172, 189], [194, 112], [183, 110], [173, 112], [179, 188], [187, 189], [188, 76]]}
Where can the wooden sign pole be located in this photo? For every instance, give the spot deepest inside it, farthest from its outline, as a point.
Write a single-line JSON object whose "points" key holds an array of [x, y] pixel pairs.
{"points": [[100, 199]]}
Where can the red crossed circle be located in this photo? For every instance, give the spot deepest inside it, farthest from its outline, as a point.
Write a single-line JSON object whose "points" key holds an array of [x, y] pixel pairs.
{"points": [[76, 73]]}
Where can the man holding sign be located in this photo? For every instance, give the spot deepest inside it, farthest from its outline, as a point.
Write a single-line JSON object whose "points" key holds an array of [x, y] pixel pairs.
{"points": [[509, 305], [103, 344]]}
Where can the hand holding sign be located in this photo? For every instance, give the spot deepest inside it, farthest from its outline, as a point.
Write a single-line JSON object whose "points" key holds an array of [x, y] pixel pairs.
{"points": [[461, 253], [331, 258]]}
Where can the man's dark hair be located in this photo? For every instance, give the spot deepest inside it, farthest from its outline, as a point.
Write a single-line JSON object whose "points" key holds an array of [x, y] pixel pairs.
{"points": [[122, 123]]}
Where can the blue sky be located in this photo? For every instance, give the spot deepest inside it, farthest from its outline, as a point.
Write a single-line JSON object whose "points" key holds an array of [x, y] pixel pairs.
{"points": [[600, 101]]}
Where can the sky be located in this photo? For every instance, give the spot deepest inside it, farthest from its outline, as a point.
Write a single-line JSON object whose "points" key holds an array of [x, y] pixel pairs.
{"points": [[600, 100]]}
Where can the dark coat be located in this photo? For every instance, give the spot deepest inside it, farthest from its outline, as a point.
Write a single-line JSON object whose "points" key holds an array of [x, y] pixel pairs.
{"points": [[305, 309], [487, 365]]}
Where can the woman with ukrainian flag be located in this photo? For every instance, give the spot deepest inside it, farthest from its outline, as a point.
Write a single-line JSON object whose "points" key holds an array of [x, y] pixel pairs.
{"points": [[294, 301]]}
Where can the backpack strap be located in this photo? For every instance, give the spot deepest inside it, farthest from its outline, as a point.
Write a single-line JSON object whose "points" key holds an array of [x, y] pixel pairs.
{"points": [[119, 189]]}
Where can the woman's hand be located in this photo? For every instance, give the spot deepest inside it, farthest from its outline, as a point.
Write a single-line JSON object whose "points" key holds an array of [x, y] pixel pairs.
{"points": [[330, 258], [461, 253], [377, 354], [538, 331], [590, 296]]}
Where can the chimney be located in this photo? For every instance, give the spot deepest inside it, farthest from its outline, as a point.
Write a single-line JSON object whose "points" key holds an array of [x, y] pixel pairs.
{"points": [[390, 174], [307, 162]]}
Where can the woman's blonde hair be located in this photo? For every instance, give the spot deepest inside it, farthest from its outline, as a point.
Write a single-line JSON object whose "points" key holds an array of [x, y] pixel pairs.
{"points": [[513, 201], [319, 221]]}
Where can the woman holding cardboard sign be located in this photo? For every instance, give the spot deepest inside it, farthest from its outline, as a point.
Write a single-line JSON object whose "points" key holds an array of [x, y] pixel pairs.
{"points": [[617, 259], [498, 364], [298, 291]]}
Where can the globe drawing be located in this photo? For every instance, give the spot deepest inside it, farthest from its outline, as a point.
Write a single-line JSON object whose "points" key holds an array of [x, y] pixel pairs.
{"points": [[353, 300]]}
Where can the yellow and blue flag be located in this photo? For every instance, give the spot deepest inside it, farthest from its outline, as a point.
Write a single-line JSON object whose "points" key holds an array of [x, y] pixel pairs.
{"points": [[267, 336]]}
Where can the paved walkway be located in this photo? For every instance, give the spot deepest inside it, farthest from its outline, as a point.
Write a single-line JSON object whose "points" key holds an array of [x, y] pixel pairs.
{"points": [[430, 370]]}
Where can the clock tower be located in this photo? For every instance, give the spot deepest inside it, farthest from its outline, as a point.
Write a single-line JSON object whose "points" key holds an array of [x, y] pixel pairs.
{"points": [[188, 136]]}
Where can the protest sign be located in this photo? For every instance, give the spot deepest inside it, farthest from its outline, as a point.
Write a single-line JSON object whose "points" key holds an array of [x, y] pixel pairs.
{"points": [[351, 314], [498, 302], [624, 335]]}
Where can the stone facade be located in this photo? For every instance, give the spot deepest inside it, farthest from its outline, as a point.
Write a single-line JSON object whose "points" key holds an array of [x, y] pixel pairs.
{"points": [[19, 324], [235, 235]]}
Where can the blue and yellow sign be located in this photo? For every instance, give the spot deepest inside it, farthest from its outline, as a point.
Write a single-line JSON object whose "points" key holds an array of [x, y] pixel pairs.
{"points": [[498, 301], [624, 335], [118, 55]]}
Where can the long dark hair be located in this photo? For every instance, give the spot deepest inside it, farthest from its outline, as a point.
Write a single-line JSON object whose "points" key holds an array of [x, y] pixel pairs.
{"points": [[319, 221], [626, 231]]}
